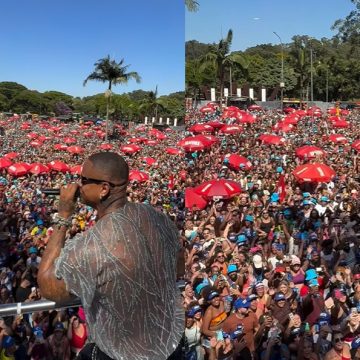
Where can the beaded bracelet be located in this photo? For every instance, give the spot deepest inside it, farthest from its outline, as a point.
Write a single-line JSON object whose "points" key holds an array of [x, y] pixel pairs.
{"points": [[61, 221]]}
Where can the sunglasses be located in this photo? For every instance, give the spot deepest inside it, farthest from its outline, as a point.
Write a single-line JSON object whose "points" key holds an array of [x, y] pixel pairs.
{"points": [[85, 181], [220, 256], [337, 340]]}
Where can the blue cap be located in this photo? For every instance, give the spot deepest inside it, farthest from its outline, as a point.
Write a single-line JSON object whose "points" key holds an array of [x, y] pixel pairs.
{"points": [[200, 287], [356, 343], [38, 331], [313, 201], [33, 250], [279, 169], [287, 212], [274, 197], [279, 297], [313, 282], [311, 274], [193, 235], [306, 195], [232, 268], [279, 247], [324, 198], [249, 218], [212, 295], [241, 239], [324, 318], [313, 236], [8, 342], [241, 303], [306, 202], [195, 309], [39, 222]]}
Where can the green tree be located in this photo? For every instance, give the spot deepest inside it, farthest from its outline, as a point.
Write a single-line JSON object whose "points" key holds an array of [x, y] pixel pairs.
{"points": [[151, 103], [114, 73], [220, 57]]}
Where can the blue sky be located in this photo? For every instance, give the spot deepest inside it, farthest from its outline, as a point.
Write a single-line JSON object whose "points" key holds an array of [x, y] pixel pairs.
{"points": [[253, 21], [53, 45]]}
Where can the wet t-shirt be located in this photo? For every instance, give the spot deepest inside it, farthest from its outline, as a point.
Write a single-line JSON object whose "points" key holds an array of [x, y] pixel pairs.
{"points": [[124, 271]]}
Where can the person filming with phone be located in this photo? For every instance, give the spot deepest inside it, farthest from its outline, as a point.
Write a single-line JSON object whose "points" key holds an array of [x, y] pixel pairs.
{"points": [[124, 268]]}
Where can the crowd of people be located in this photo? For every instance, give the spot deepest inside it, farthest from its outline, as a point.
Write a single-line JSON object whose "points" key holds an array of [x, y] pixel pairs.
{"points": [[271, 270]]}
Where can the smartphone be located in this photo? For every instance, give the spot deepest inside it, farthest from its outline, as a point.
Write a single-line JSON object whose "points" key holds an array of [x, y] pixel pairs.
{"points": [[219, 335], [319, 269], [316, 328], [291, 315], [33, 289], [354, 310]]}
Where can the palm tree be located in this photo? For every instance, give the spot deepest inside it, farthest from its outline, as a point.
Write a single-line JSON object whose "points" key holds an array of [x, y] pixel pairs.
{"points": [[152, 103], [114, 73], [220, 57]]}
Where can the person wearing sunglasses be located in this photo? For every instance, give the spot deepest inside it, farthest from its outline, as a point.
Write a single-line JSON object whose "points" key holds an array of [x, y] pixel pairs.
{"points": [[123, 269], [339, 350]]}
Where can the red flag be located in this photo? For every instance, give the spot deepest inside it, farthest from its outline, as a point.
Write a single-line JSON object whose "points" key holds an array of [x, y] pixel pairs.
{"points": [[171, 183], [281, 188]]}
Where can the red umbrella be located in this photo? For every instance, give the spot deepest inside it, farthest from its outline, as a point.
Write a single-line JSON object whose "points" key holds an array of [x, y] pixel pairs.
{"points": [[272, 139], [88, 134], [192, 199], [289, 110], [314, 173], [309, 152], [207, 108], [173, 151], [151, 142], [32, 135], [157, 133], [223, 189], [136, 175], [11, 155], [4, 162], [60, 147], [37, 168], [338, 138], [25, 127], [76, 170], [35, 143], [74, 132], [290, 119], [137, 140], [216, 124], [69, 140], [149, 160], [231, 129], [356, 145], [199, 128], [247, 119], [106, 146], [59, 166], [255, 107], [75, 149], [130, 149], [239, 162], [211, 138], [42, 138], [284, 127], [335, 118], [18, 169], [341, 124]]}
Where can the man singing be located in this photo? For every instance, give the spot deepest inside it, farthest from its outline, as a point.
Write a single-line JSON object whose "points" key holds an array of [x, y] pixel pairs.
{"points": [[123, 269]]}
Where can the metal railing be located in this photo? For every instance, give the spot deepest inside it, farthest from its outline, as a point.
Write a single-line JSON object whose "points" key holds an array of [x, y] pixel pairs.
{"points": [[39, 305]]}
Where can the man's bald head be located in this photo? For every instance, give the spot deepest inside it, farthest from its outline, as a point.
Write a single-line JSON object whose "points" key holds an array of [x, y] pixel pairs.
{"points": [[112, 166]]}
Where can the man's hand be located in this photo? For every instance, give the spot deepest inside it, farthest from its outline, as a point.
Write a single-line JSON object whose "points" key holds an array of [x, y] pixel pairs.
{"points": [[67, 200]]}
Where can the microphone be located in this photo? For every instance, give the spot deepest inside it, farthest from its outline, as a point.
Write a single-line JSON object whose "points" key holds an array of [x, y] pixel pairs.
{"points": [[49, 192], [56, 192]]}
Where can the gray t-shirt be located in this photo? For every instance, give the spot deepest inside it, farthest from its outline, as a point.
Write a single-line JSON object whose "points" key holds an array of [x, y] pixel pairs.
{"points": [[124, 271]]}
